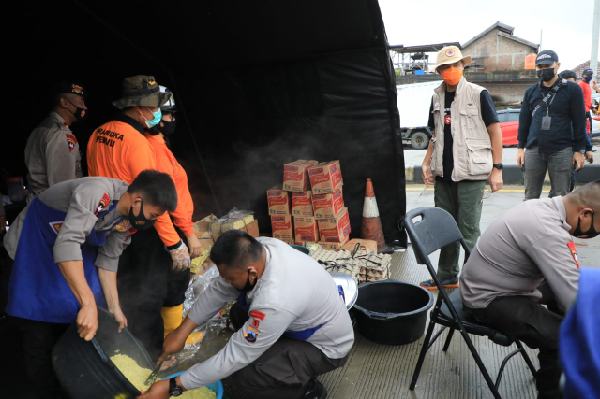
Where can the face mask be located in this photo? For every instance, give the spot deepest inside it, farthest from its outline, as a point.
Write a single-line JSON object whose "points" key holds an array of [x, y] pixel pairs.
{"points": [[587, 79], [591, 233], [139, 222], [249, 286], [168, 129], [79, 113], [545, 74], [153, 122], [451, 75]]}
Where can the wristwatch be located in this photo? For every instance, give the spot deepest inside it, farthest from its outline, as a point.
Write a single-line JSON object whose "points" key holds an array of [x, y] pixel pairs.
{"points": [[174, 389], [497, 166]]}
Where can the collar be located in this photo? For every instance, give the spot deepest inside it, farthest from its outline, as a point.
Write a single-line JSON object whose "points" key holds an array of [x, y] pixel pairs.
{"points": [[59, 119], [560, 207], [130, 121]]}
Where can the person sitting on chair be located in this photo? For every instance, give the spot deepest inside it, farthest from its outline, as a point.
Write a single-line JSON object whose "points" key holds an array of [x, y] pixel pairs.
{"points": [[528, 258]]}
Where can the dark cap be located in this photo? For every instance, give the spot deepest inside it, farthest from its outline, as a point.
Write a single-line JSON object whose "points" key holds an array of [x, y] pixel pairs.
{"points": [[141, 91], [587, 72], [546, 57], [67, 87], [568, 74]]}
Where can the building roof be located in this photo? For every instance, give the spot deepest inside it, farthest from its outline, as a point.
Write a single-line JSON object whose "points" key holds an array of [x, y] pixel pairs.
{"points": [[504, 31], [422, 48]]}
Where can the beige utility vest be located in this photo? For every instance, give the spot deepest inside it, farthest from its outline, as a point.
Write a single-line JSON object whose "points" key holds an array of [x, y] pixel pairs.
{"points": [[472, 148]]}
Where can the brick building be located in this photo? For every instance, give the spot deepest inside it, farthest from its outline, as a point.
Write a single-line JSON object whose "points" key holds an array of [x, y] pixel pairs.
{"points": [[496, 49]]}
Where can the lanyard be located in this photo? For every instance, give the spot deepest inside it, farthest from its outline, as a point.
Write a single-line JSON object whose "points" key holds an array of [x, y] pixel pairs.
{"points": [[550, 96]]}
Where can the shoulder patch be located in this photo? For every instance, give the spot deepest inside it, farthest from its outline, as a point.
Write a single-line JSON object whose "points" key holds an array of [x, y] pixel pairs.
{"points": [[103, 204], [257, 314], [71, 141]]}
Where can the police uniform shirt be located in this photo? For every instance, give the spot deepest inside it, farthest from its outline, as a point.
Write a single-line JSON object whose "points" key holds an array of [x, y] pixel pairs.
{"points": [[530, 244], [295, 294], [51, 154], [85, 202]]}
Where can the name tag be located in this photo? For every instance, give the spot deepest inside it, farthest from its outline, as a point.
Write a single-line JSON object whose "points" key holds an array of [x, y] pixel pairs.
{"points": [[546, 120]]}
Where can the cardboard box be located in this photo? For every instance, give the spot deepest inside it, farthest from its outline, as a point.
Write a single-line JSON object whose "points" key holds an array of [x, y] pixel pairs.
{"points": [[337, 229], [332, 245], [325, 177], [202, 227], [327, 206], [368, 245], [282, 228], [246, 223], [305, 229], [302, 204], [278, 201], [295, 178]]}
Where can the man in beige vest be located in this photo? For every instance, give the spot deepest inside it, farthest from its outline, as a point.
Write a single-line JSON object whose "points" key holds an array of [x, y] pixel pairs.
{"points": [[465, 151]]}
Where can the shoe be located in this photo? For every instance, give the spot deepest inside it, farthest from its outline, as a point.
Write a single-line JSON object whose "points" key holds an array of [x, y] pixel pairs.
{"points": [[315, 390], [429, 285]]}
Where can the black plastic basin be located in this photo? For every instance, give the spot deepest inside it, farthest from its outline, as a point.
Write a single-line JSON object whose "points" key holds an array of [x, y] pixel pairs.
{"points": [[392, 312], [84, 368]]}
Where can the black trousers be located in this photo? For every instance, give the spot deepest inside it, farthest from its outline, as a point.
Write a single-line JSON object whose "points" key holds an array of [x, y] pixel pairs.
{"points": [[535, 325], [282, 371], [147, 282]]}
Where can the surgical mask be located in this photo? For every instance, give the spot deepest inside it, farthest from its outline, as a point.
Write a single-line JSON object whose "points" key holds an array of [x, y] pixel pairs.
{"points": [[451, 75], [79, 112], [591, 233], [249, 286], [168, 128], [154, 121], [546, 74], [139, 222]]}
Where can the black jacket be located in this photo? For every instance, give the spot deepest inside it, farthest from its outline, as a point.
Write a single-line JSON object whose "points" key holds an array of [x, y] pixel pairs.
{"points": [[567, 112]]}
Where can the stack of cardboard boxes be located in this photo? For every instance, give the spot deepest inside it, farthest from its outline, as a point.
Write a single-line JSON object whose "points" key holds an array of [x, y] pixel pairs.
{"points": [[316, 215]]}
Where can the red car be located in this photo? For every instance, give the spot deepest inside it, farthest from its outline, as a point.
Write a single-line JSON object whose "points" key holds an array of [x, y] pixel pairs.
{"points": [[509, 123]]}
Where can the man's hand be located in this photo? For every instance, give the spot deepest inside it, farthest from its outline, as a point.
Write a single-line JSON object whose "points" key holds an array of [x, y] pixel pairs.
{"points": [[495, 180], [180, 256], [520, 157], [589, 156], [87, 321], [173, 343], [119, 317], [158, 390], [194, 244], [426, 169], [578, 160]]}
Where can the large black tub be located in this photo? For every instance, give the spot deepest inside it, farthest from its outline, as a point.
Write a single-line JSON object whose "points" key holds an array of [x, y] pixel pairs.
{"points": [[392, 312], [84, 368]]}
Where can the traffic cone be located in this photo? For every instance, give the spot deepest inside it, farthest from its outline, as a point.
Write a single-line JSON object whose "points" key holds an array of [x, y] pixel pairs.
{"points": [[371, 223]]}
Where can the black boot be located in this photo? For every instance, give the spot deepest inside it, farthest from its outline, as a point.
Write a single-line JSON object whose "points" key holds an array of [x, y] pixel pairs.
{"points": [[315, 390]]}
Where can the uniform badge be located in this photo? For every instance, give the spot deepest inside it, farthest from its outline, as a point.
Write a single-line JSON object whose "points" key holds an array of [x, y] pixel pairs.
{"points": [[55, 226], [450, 52], [103, 204], [71, 141], [252, 330], [251, 334]]}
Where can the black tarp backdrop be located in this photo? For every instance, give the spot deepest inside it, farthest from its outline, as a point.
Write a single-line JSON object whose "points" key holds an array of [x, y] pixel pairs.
{"points": [[259, 84]]}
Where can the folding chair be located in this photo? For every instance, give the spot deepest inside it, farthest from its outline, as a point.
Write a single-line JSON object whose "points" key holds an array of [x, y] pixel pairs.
{"points": [[431, 229]]}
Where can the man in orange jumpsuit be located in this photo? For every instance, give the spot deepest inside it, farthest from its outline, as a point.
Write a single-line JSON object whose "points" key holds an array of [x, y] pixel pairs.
{"points": [[118, 149]]}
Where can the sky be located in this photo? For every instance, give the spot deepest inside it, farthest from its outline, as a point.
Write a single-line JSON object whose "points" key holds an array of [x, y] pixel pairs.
{"points": [[565, 26]]}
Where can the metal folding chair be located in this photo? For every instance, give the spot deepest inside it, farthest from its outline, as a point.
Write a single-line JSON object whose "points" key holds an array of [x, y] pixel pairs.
{"points": [[431, 229]]}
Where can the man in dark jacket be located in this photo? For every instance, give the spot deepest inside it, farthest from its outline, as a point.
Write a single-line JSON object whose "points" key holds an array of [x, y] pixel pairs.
{"points": [[551, 129]]}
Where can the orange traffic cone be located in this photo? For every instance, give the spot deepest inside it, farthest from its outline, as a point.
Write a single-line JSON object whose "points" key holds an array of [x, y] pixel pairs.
{"points": [[371, 223]]}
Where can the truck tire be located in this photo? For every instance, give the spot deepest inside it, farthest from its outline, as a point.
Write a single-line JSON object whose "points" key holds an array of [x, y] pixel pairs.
{"points": [[419, 140]]}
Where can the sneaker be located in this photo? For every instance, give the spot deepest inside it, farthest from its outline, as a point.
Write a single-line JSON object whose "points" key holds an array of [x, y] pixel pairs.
{"points": [[315, 390], [429, 285]]}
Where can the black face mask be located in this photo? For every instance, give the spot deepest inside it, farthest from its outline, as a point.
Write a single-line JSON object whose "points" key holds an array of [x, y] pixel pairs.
{"points": [[591, 233], [249, 286], [78, 113], [139, 222], [168, 128], [587, 79], [545, 74]]}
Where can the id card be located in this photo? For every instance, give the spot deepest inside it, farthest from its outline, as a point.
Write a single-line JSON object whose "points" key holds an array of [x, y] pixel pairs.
{"points": [[546, 120]]}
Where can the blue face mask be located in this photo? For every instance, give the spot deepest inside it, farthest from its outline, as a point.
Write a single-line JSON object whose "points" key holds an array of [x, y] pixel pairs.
{"points": [[157, 117]]}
